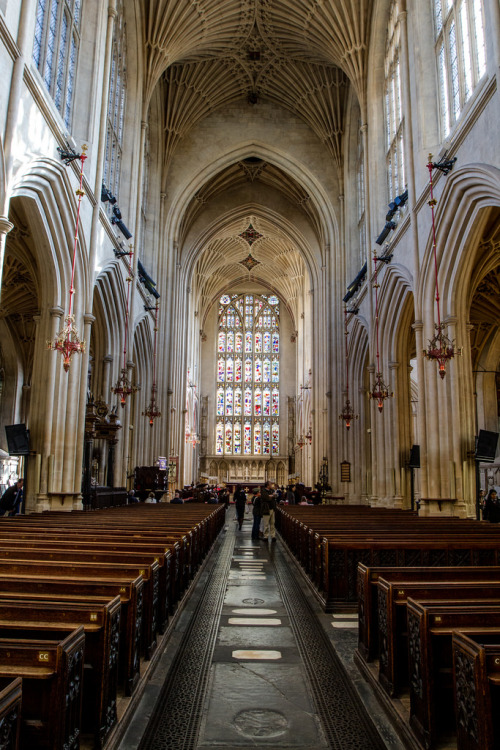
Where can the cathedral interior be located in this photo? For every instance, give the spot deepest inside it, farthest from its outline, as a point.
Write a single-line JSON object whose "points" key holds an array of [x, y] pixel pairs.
{"points": [[251, 240]]}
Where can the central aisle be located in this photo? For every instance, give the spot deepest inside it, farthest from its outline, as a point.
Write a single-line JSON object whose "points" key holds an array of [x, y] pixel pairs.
{"points": [[249, 664]]}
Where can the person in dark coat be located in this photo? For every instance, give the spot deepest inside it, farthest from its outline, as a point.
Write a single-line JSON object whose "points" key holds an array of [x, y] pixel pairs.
{"points": [[257, 517], [491, 511], [240, 501], [11, 500]]}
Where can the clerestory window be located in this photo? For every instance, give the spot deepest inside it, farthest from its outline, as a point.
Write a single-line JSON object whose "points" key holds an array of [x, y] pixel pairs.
{"points": [[55, 50], [248, 375], [461, 54], [116, 107], [394, 122]]}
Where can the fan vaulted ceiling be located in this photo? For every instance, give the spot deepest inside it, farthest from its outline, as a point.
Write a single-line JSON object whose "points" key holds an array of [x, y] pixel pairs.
{"points": [[298, 55]]}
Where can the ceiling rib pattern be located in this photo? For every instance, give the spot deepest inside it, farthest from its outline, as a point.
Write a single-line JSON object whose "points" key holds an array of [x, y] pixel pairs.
{"points": [[177, 29], [250, 171], [219, 265]]}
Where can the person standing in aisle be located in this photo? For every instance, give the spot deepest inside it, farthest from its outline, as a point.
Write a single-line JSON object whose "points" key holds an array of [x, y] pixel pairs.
{"points": [[240, 501], [268, 509]]}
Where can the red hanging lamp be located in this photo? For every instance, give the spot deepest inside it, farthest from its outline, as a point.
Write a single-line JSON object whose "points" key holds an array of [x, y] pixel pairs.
{"points": [[347, 414], [380, 391], [440, 348], [124, 387], [67, 341], [151, 411]]}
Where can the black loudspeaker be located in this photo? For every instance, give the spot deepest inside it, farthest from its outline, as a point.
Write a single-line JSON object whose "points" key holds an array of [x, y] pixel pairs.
{"points": [[486, 446], [414, 462], [18, 439]]}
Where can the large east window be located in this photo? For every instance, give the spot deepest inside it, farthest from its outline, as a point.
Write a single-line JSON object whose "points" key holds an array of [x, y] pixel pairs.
{"points": [[248, 375], [394, 124], [55, 50], [461, 54]]}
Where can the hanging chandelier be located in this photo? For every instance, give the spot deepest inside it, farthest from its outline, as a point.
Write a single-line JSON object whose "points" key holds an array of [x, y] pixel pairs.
{"points": [[67, 342], [124, 387], [380, 391], [440, 348], [347, 413], [151, 411]]}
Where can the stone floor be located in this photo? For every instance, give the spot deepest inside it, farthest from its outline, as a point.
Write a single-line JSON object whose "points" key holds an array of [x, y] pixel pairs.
{"points": [[258, 685]]}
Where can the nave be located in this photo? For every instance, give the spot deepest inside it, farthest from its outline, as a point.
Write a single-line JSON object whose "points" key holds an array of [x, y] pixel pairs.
{"points": [[252, 661]]}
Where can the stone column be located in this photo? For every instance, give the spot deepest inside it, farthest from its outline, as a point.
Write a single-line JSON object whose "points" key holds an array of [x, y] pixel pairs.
{"points": [[374, 437], [88, 320], [393, 434], [48, 372]]}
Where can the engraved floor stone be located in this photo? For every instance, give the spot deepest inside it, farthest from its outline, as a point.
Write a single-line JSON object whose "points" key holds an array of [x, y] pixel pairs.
{"points": [[257, 654], [339, 624], [254, 611], [268, 621], [261, 722]]}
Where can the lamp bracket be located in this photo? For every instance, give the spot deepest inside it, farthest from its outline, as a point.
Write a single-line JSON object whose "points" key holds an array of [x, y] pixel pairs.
{"points": [[67, 155], [445, 165]]}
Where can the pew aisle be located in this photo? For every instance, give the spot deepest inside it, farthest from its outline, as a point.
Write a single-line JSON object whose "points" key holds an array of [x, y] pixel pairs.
{"points": [[252, 664], [86, 602]]}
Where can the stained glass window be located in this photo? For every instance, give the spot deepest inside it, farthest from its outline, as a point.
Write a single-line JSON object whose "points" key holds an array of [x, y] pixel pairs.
{"points": [[248, 375], [116, 108], [393, 108], [55, 50], [460, 54]]}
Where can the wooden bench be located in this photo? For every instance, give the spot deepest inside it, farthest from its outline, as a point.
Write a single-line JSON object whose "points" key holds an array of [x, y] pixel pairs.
{"points": [[99, 590], [52, 678], [115, 572], [430, 629], [10, 711], [368, 577], [392, 616], [101, 623], [476, 671]]}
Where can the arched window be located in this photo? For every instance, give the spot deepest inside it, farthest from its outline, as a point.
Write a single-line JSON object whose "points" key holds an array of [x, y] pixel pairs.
{"points": [[249, 324], [116, 107], [460, 52], [360, 194], [55, 50], [394, 123]]}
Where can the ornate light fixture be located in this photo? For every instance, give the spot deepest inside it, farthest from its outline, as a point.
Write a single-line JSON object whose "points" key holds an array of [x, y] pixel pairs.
{"points": [[308, 436], [380, 391], [440, 348], [347, 413], [124, 387], [151, 411], [67, 341]]}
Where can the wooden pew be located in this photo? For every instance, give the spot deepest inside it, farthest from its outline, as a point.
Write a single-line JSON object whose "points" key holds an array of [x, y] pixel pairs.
{"points": [[49, 714], [368, 577], [102, 632], [430, 629], [10, 711], [476, 672], [392, 615], [116, 572], [99, 590]]}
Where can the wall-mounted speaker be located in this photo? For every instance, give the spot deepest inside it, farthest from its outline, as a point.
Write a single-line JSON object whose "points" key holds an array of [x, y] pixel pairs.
{"points": [[18, 439], [414, 462], [486, 446]]}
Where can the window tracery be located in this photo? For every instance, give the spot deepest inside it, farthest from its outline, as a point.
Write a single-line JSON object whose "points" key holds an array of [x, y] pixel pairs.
{"points": [[55, 50], [116, 107], [248, 375], [394, 120], [460, 54]]}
